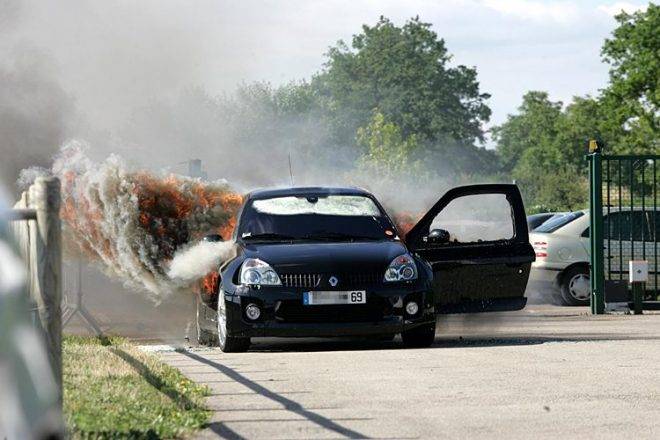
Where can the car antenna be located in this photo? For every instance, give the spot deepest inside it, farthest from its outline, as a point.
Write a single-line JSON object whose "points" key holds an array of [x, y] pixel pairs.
{"points": [[290, 169]]}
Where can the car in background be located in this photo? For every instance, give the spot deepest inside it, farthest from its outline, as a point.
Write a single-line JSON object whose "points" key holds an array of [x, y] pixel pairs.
{"points": [[536, 220], [329, 262], [561, 245]]}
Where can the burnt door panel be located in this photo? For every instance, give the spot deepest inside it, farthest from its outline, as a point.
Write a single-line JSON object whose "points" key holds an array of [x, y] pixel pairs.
{"points": [[475, 239]]}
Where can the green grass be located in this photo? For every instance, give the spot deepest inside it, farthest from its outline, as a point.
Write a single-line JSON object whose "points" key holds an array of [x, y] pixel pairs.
{"points": [[114, 390]]}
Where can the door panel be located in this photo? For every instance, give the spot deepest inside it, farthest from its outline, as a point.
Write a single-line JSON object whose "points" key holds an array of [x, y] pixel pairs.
{"points": [[485, 264]]}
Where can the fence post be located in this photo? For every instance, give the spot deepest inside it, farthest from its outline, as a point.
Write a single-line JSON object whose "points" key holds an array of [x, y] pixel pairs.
{"points": [[45, 199], [596, 257]]}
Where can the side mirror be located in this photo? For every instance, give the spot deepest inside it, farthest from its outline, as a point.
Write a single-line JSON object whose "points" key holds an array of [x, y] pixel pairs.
{"points": [[438, 236], [212, 238]]}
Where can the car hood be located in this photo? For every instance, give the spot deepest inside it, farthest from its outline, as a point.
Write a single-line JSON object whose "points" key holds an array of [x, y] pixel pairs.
{"points": [[325, 256]]}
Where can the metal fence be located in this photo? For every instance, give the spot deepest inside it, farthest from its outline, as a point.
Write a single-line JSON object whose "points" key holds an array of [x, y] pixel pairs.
{"points": [[624, 225]]}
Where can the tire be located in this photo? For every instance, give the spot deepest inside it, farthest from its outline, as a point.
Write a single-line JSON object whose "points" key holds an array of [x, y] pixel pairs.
{"points": [[419, 337], [228, 344], [204, 337], [574, 287]]}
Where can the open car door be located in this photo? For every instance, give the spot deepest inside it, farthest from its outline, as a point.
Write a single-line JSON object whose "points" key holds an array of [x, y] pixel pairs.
{"points": [[475, 239]]}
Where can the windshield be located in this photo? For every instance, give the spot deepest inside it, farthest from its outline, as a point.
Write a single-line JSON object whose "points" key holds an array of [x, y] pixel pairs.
{"points": [[558, 221], [315, 217]]}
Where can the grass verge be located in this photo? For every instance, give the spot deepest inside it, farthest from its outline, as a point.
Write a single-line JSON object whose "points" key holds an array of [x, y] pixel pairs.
{"points": [[114, 390]]}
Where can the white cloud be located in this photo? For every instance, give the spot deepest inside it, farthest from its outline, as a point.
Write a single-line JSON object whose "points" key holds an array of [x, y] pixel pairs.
{"points": [[616, 8], [560, 12]]}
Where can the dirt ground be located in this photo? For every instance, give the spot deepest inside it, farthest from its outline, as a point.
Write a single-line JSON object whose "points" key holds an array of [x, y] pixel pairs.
{"points": [[543, 372]]}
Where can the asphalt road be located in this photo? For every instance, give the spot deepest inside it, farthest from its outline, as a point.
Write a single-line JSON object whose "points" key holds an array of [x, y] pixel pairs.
{"points": [[544, 372]]}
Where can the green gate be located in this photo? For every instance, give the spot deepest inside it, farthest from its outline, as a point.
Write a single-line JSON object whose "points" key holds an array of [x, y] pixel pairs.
{"points": [[624, 224]]}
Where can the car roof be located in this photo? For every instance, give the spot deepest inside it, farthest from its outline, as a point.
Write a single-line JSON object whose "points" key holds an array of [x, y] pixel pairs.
{"points": [[543, 214], [306, 191]]}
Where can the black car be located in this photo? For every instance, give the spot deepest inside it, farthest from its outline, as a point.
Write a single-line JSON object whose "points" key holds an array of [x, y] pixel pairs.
{"points": [[330, 262]]}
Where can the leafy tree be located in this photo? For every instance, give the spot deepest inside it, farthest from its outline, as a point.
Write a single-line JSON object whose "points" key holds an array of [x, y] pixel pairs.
{"points": [[543, 147], [533, 128], [632, 99], [385, 150], [562, 190], [404, 73], [580, 121], [544, 144]]}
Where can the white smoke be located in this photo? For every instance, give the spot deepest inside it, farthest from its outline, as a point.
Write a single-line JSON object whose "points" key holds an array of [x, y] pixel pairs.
{"points": [[132, 223], [193, 262]]}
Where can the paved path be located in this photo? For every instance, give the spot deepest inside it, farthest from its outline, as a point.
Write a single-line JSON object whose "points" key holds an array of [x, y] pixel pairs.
{"points": [[545, 372]]}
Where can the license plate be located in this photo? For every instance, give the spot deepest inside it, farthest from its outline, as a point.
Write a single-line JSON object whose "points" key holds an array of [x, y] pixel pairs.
{"points": [[334, 297]]}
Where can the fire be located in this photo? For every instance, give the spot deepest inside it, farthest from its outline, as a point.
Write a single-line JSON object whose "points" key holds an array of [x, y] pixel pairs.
{"points": [[131, 223], [211, 282], [405, 221], [167, 204]]}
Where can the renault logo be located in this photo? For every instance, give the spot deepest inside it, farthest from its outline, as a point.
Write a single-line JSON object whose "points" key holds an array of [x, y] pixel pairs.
{"points": [[333, 281]]}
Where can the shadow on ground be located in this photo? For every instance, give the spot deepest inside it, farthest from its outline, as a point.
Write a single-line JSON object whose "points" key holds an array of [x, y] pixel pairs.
{"points": [[320, 345]]}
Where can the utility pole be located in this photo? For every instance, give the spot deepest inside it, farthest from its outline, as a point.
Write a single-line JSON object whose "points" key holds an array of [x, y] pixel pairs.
{"points": [[195, 169]]}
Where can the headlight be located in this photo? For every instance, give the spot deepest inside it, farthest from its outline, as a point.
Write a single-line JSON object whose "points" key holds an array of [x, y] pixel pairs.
{"points": [[402, 268], [256, 272]]}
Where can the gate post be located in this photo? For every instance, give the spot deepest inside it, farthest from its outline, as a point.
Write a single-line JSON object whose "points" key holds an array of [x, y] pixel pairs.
{"points": [[45, 196], [596, 256]]}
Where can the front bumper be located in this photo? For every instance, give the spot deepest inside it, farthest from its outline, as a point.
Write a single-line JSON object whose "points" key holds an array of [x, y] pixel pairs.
{"points": [[284, 315]]}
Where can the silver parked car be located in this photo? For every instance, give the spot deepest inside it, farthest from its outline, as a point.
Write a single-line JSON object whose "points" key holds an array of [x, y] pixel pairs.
{"points": [[561, 245]]}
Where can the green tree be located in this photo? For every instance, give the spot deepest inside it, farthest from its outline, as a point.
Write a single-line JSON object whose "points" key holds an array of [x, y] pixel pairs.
{"points": [[543, 148], [632, 98], [404, 73], [580, 121], [386, 151], [533, 128], [561, 190]]}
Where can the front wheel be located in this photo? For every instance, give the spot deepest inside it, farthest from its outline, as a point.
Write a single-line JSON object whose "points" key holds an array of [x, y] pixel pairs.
{"points": [[419, 337], [228, 344], [575, 288]]}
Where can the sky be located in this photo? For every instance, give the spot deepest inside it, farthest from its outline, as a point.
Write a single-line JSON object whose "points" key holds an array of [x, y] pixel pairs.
{"points": [[110, 56]]}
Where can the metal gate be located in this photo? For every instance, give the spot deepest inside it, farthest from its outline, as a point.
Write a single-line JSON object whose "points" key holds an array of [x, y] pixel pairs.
{"points": [[624, 224]]}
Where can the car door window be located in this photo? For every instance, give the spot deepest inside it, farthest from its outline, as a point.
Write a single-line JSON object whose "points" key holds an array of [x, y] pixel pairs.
{"points": [[476, 218]]}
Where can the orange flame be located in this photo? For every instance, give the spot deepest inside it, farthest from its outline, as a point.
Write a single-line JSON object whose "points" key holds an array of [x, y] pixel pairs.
{"points": [[211, 283], [405, 220], [171, 211], [166, 204]]}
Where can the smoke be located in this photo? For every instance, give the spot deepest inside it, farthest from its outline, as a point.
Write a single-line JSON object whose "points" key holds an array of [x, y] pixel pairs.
{"points": [[136, 78], [34, 111], [192, 263], [9, 13], [132, 223], [126, 77]]}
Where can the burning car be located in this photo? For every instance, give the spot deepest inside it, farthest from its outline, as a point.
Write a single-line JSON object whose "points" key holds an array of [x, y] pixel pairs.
{"points": [[330, 262]]}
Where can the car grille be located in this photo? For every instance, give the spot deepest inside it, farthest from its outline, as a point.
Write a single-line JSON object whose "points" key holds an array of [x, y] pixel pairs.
{"points": [[293, 311], [300, 279], [346, 280], [358, 279]]}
